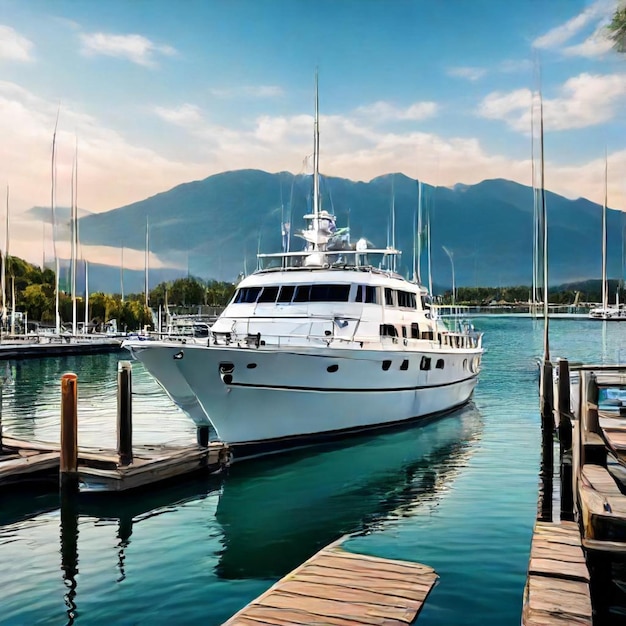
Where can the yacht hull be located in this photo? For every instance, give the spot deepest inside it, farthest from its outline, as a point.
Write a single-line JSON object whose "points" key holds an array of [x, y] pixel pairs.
{"points": [[257, 397]]}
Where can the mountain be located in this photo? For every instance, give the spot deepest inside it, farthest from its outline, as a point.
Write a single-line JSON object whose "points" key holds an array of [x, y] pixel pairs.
{"points": [[218, 224]]}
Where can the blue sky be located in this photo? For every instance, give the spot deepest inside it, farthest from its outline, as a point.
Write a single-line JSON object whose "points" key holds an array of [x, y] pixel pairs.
{"points": [[158, 93]]}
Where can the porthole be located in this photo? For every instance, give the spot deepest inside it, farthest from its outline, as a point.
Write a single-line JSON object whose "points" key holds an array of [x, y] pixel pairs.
{"points": [[440, 364], [332, 368], [425, 363], [251, 366], [405, 365], [386, 365]]}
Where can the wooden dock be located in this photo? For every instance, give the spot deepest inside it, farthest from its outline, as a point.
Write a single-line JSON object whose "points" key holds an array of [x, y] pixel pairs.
{"points": [[339, 588], [21, 462], [557, 586], [102, 470], [99, 470]]}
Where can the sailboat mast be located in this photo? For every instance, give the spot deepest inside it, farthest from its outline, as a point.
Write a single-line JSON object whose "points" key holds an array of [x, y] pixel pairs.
{"points": [[535, 208], [4, 265], [74, 233], [316, 162], [544, 220], [417, 274], [605, 295], [54, 240], [86, 297], [393, 221], [146, 260], [430, 273], [122, 273]]}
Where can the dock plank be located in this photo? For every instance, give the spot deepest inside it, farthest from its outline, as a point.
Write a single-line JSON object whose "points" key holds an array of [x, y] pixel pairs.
{"points": [[557, 586], [338, 588]]}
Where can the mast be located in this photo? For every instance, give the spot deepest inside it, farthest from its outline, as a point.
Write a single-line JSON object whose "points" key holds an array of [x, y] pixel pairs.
{"points": [[12, 304], [86, 296], [430, 274], [316, 163], [54, 240], [146, 260], [393, 221], [535, 210], [544, 221], [4, 265], [417, 275], [122, 273], [74, 234], [605, 295]]}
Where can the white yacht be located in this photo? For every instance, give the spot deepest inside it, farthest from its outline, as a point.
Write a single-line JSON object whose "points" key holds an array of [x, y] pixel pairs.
{"points": [[318, 343]]}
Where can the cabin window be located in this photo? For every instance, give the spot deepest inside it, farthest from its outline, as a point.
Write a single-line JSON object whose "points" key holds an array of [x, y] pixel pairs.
{"points": [[388, 330], [439, 364], [406, 299], [303, 293], [248, 295], [388, 296], [386, 365], [415, 331], [286, 294], [366, 293], [330, 293], [404, 331], [425, 363], [405, 365], [268, 294]]}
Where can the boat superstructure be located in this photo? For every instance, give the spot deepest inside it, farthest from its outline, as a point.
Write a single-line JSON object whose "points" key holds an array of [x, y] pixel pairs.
{"points": [[317, 343]]}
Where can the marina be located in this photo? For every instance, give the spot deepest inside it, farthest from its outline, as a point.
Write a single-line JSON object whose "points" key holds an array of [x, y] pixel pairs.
{"points": [[450, 493]]}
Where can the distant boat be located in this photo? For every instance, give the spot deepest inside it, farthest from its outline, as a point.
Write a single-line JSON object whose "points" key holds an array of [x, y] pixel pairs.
{"points": [[606, 312], [318, 343]]}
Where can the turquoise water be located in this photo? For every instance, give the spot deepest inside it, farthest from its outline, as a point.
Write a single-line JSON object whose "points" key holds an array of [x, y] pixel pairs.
{"points": [[458, 494]]}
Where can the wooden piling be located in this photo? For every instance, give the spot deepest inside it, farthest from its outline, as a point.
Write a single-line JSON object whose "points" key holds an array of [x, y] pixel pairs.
{"points": [[68, 466], [1, 394], [565, 440], [124, 413], [544, 512]]}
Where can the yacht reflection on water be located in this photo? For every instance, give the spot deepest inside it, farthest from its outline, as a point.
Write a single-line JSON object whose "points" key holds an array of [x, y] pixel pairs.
{"points": [[274, 513], [277, 513]]}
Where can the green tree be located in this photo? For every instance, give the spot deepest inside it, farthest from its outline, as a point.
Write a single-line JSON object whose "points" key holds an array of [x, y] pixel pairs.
{"points": [[617, 29]]}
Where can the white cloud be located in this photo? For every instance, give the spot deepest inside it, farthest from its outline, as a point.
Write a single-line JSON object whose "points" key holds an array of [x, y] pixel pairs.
{"points": [[469, 73], [184, 115], [594, 44], [249, 91], [385, 111], [584, 100], [561, 34], [135, 48], [14, 46], [597, 44]]}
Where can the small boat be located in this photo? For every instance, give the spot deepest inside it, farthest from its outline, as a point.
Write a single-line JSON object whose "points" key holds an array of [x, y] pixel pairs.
{"points": [[316, 344]]}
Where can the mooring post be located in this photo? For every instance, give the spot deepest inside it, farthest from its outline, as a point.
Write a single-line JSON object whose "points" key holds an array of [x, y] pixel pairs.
{"points": [[565, 441], [125, 412], [1, 394], [547, 442], [202, 435], [68, 460]]}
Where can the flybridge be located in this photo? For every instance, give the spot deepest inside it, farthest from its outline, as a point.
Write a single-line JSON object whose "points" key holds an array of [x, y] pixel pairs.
{"points": [[357, 258]]}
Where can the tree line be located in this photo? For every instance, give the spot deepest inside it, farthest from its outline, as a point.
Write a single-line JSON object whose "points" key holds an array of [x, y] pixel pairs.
{"points": [[35, 297]]}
